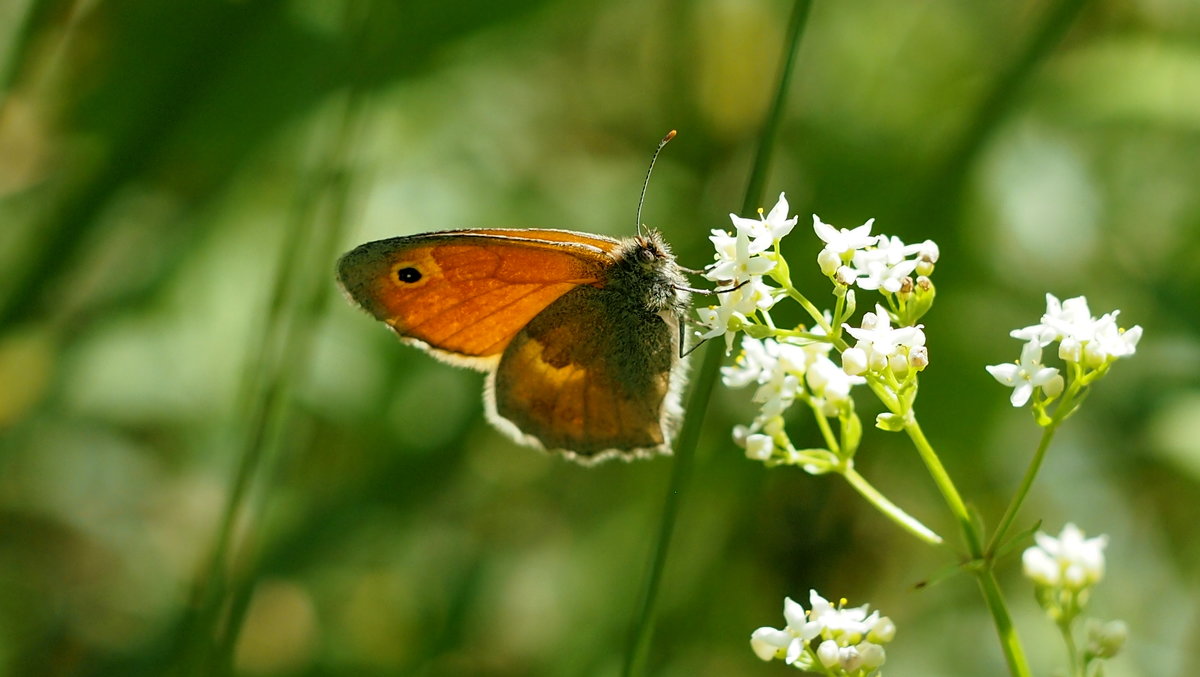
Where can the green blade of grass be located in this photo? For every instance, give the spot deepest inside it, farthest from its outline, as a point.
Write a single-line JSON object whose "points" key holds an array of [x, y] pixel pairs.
{"points": [[705, 377]]}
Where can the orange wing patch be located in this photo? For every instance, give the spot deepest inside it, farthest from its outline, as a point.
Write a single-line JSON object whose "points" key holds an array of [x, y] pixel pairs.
{"points": [[467, 293], [576, 406], [571, 381]]}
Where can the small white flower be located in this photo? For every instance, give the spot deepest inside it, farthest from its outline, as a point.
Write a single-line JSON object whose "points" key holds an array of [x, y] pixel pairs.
{"points": [[768, 643], [1026, 375], [720, 320], [840, 240], [1110, 342], [754, 364], [928, 251], [838, 622], [881, 343], [742, 265], [765, 231], [833, 637], [830, 385], [1069, 561], [875, 269], [730, 316], [1040, 567], [1069, 318], [1082, 339], [725, 244], [777, 394]]}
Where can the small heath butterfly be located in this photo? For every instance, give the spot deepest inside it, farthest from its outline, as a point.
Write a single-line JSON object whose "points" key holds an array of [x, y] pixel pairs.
{"points": [[580, 335]]}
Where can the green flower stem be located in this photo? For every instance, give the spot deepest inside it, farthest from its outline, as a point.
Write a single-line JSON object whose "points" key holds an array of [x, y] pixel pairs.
{"points": [[945, 485], [831, 440], [1010, 514], [1070, 401], [831, 332], [889, 509], [1010, 643], [812, 311], [886, 395], [1078, 667]]}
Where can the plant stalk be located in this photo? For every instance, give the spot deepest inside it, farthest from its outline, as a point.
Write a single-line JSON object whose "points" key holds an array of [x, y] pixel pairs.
{"points": [[706, 375]]}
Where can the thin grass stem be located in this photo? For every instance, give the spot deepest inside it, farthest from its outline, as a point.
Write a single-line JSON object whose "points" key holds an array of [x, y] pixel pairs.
{"points": [[705, 376], [298, 298]]}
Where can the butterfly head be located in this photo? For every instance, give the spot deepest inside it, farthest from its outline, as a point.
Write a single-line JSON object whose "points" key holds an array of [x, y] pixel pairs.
{"points": [[646, 271]]}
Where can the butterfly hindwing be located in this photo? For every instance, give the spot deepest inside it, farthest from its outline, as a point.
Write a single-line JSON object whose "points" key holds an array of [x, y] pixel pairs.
{"points": [[606, 395]]}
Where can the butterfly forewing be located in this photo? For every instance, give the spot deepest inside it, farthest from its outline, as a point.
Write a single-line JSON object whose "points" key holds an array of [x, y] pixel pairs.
{"points": [[467, 293]]}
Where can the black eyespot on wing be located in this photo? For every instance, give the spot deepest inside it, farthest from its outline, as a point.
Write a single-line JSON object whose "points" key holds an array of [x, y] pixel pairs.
{"points": [[408, 275]]}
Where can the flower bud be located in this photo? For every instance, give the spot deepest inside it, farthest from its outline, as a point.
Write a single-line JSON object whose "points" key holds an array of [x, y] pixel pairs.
{"points": [[828, 653], [845, 276], [829, 261], [854, 361], [1070, 350], [1054, 387], [872, 655], [919, 358], [1106, 640], [883, 631], [759, 447], [740, 433]]}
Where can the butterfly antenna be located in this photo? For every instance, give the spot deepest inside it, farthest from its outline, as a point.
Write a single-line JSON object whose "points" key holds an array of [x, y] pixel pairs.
{"points": [[645, 184]]}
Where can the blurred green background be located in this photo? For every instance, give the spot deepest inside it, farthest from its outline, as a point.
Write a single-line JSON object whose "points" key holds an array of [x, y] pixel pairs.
{"points": [[177, 179]]}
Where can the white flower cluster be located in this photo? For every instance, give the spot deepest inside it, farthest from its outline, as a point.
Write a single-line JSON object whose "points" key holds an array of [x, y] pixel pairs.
{"points": [[1090, 341], [1083, 340], [1063, 571], [1069, 561], [742, 259], [783, 371], [856, 257], [795, 364], [833, 640], [882, 347]]}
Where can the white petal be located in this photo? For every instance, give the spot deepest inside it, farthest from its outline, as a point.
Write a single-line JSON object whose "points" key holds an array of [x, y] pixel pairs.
{"points": [[1021, 394], [780, 210], [1040, 567], [1005, 373], [794, 613], [767, 642], [826, 232]]}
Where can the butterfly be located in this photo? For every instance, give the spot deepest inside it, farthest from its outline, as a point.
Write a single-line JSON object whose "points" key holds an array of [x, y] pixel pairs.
{"points": [[579, 334]]}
